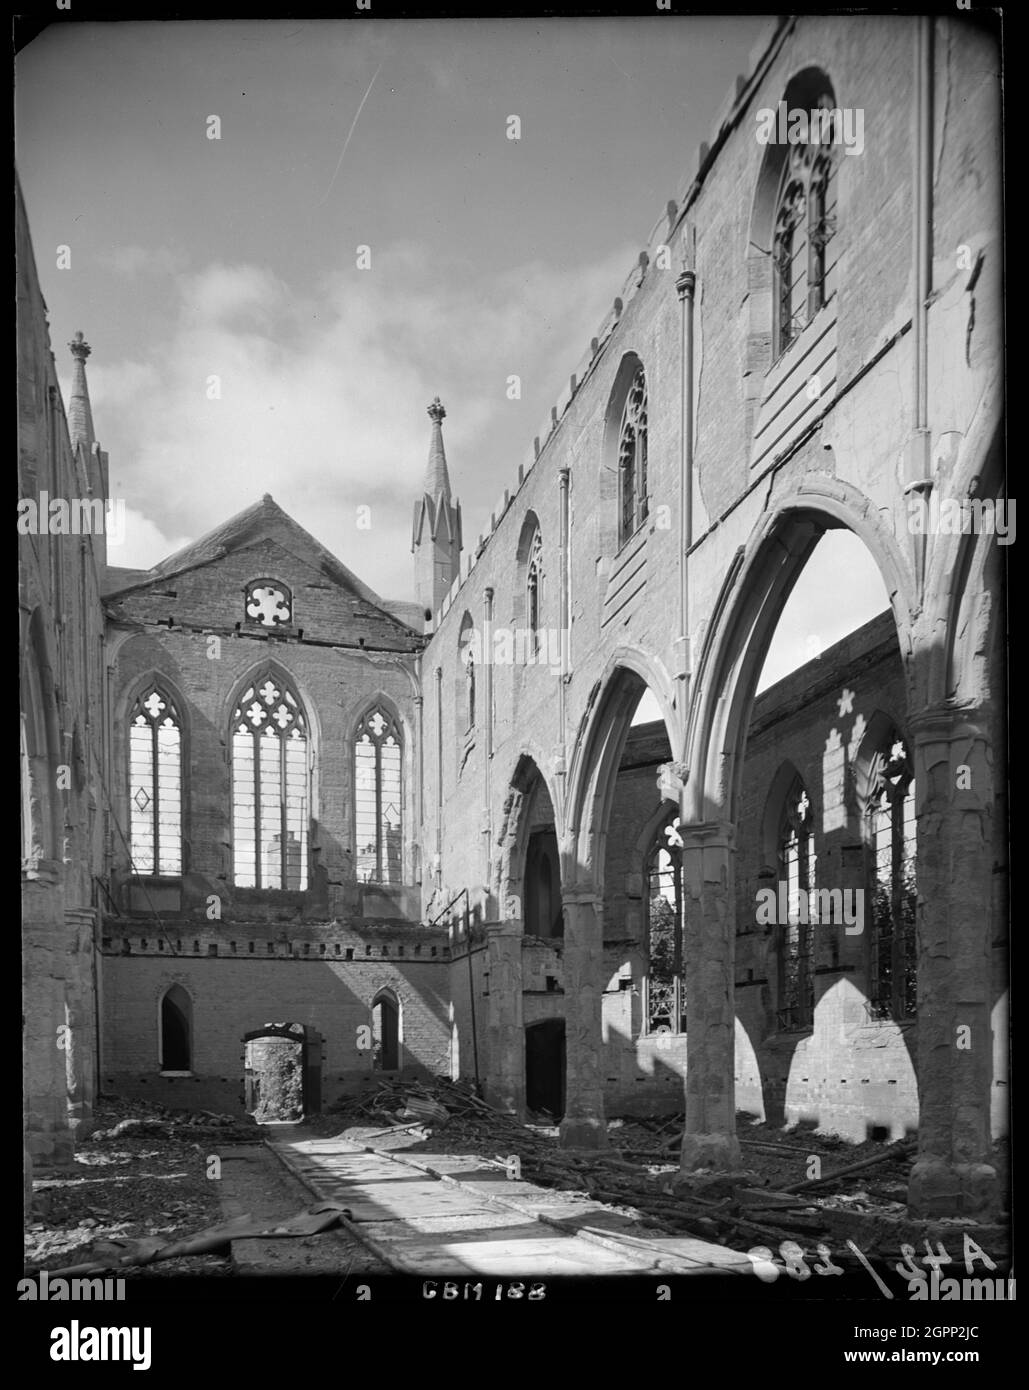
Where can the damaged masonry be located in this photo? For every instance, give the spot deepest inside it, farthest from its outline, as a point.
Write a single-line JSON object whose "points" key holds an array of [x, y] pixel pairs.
{"points": [[553, 888]]}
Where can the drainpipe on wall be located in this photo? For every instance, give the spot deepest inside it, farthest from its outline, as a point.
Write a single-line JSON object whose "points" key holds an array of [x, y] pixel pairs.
{"points": [[565, 617], [419, 703], [439, 776], [685, 285], [487, 643], [471, 993], [920, 481]]}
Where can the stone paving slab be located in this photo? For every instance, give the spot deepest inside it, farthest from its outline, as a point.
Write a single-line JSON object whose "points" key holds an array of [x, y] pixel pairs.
{"points": [[503, 1253], [473, 1220]]}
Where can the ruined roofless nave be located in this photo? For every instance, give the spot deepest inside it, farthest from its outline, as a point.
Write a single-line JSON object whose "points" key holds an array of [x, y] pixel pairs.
{"points": [[433, 837]]}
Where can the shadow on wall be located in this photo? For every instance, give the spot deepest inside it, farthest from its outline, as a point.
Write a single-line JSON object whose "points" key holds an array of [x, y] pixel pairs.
{"points": [[351, 1036], [333, 889]]}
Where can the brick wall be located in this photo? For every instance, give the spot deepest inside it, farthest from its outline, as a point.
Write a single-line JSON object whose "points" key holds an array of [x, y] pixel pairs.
{"points": [[206, 671], [233, 995]]}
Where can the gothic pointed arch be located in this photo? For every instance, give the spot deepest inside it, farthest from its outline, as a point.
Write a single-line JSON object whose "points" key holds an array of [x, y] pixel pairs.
{"points": [[271, 782], [379, 788], [176, 1030], [795, 870], [886, 792], [156, 733], [387, 1030]]}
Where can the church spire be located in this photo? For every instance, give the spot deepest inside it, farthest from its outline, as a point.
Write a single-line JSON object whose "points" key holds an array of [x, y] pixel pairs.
{"points": [[436, 535], [437, 479], [80, 415]]}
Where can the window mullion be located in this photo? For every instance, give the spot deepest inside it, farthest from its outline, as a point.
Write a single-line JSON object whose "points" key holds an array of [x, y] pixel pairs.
{"points": [[283, 879], [257, 808], [677, 992], [896, 893], [155, 808], [378, 811]]}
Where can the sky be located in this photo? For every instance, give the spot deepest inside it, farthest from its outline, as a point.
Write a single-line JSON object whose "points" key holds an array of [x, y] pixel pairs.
{"points": [[238, 346]]}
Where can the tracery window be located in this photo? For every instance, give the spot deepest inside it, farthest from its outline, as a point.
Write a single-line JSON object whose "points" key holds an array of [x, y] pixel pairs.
{"points": [[464, 685], [378, 758], [804, 225], [664, 1001], [269, 602], [469, 668], [534, 590], [155, 784], [632, 459], [891, 811], [797, 871], [270, 786]]}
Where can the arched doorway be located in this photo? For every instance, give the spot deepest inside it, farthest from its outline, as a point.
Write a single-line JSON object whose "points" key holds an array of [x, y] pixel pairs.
{"points": [[282, 1070], [386, 1031], [176, 1031]]}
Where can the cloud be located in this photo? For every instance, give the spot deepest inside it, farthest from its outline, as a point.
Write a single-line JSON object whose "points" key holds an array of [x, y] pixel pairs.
{"points": [[136, 542], [320, 398], [220, 293], [134, 261]]}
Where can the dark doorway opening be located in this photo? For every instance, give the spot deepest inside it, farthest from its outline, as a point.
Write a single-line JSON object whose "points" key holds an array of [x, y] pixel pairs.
{"points": [[385, 1033], [282, 1070], [176, 1030], [545, 1067]]}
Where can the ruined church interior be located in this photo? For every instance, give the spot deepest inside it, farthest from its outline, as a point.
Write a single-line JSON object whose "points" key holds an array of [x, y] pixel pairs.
{"points": [[549, 857]]}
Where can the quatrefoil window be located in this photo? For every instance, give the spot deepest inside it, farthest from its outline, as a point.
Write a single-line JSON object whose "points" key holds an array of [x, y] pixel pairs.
{"points": [[269, 602]]}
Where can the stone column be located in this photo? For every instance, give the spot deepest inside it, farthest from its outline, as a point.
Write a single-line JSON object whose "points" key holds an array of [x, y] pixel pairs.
{"points": [[584, 1125], [80, 1017], [505, 1085], [44, 965], [954, 794], [709, 948]]}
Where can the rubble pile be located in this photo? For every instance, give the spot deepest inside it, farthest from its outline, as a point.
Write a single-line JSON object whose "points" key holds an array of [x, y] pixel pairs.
{"points": [[144, 1174], [146, 1118], [792, 1186]]}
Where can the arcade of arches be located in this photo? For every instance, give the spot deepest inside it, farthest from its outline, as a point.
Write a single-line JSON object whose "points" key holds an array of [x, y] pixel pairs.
{"points": [[597, 823]]}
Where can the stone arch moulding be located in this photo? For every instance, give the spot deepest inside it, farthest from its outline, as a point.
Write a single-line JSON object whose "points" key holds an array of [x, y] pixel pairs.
{"points": [[593, 767], [608, 477], [314, 730], [806, 83], [748, 611], [520, 792], [652, 828], [786, 775], [408, 809], [365, 703], [175, 982], [390, 1001], [283, 672], [280, 672], [133, 689], [880, 727], [530, 529], [123, 707]]}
